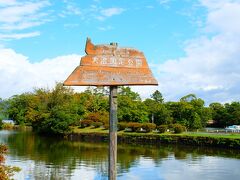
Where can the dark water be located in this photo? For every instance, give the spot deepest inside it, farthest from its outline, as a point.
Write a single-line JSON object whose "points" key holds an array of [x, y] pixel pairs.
{"points": [[51, 158]]}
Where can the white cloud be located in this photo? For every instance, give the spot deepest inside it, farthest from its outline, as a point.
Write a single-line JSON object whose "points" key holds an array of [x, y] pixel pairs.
{"points": [[18, 12], [7, 2], [223, 16], [111, 11], [164, 1], [211, 67], [70, 9], [19, 75], [108, 12], [16, 15], [105, 28], [94, 11], [19, 35]]}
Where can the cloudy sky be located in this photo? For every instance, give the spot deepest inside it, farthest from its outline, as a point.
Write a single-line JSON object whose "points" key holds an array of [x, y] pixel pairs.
{"points": [[192, 46]]}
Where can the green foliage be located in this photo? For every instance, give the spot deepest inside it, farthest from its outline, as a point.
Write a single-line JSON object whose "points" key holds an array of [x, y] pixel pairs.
{"points": [[3, 109], [1, 124], [188, 98], [98, 118], [127, 92], [196, 124], [162, 128], [227, 114], [97, 124], [130, 107], [54, 111], [122, 126], [178, 128], [148, 127], [190, 112], [106, 126], [157, 97], [8, 126], [58, 110], [157, 111], [86, 123], [18, 107], [134, 126]]}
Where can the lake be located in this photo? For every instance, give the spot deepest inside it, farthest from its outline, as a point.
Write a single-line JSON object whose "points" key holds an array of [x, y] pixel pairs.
{"points": [[52, 158]]}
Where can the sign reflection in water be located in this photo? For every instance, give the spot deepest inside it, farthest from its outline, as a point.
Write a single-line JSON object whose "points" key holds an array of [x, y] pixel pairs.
{"points": [[48, 158]]}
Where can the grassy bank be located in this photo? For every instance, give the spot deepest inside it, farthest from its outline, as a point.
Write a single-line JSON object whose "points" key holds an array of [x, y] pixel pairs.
{"points": [[189, 138]]}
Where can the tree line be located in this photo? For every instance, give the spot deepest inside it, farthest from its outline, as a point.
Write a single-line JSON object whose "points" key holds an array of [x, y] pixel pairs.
{"points": [[55, 110]]}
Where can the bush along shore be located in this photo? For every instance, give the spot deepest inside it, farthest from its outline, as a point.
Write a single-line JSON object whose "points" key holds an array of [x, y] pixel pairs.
{"points": [[152, 138], [157, 137]]}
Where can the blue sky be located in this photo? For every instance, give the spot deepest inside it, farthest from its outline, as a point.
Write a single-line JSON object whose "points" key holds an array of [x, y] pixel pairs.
{"points": [[158, 29], [192, 46]]}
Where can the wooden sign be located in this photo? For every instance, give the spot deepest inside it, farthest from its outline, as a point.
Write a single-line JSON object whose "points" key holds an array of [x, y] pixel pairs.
{"points": [[109, 65]]}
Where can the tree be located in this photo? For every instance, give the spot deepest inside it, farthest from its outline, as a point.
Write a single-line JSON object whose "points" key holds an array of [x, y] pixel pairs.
{"points": [[130, 106], [18, 107], [188, 98], [196, 122], [2, 108], [158, 111], [157, 96], [57, 110], [233, 113], [97, 99], [219, 114], [126, 91], [190, 112]]}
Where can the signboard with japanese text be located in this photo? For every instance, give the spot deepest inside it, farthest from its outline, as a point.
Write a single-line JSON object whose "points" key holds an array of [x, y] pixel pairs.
{"points": [[109, 65]]}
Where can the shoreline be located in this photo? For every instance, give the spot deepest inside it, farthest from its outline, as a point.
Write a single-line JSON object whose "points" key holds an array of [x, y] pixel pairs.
{"points": [[158, 139]]}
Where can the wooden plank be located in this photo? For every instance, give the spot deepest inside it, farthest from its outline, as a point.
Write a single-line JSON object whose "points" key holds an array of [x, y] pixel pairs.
{"points": [[110, 65], [108, 76]]}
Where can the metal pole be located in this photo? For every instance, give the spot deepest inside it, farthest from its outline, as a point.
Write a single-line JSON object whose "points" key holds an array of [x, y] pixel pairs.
{"points": [[112, 161]]}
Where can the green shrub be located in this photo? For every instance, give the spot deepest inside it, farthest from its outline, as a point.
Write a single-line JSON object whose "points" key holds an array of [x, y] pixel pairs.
{"points": [[106, 126], [148, 127], [97, 124], [1, 123], [8, 126], [178, 128], [134, 126], [85, 123], [122, 126], [170, 126], [93, 116], [162, 128]]}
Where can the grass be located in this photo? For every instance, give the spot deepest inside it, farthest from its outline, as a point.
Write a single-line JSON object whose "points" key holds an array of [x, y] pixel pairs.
{"points": [[192, 134], [88, 130], [217, 135]]}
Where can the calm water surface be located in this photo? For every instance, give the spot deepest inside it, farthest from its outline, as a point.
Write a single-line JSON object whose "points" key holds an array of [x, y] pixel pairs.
{"points": [[51, 158]]}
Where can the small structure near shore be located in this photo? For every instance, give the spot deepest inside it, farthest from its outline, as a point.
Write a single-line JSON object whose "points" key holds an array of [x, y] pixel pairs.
{"points": [[233, 128], [8, 121]]}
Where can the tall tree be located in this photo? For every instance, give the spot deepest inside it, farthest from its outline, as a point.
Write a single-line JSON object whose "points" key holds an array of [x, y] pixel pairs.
{"points": [[158, 112], [219, 114], [58, 111], [157, 96], [126, 91], [130, 106]]}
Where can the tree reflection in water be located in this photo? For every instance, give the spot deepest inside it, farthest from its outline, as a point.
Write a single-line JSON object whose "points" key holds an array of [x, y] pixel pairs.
{"points": [[60, 159]]}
